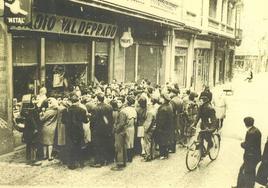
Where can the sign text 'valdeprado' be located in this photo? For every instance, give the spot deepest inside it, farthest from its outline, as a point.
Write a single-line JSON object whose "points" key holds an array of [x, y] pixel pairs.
{"points": [[73, 26]]}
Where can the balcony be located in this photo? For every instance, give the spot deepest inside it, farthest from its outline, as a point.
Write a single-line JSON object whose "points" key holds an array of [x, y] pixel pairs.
{"points": [[238, 36], [220, 28], [238, 33]]}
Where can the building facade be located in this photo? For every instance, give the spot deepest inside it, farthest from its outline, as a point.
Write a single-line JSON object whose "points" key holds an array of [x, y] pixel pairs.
{"points": [[74, 41]]}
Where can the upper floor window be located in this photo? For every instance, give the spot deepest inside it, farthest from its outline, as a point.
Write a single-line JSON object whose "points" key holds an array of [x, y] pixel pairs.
{"points": [[230, 12], [223, 9], [212, 8]]}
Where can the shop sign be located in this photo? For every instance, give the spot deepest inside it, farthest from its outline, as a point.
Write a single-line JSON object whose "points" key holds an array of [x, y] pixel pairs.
{"points": [[126, 40], [166, 9], [49, 23], [181, 42], [17, 12], [202, 44]]}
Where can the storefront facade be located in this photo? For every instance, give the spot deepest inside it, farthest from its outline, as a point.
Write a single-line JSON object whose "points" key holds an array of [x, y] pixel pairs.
{"points": [[201, 63], [60, 52], [144, 59], [223, 64], [181, 61]]}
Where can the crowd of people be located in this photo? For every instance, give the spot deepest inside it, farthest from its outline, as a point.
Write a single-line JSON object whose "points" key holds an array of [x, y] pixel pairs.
{"points": [[112, 123]]}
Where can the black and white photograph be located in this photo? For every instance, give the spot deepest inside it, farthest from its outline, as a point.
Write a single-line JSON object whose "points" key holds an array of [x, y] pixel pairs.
{"points": [[134, 93]]}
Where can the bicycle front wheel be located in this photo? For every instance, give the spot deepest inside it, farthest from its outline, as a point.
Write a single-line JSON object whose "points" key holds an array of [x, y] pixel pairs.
{"points": [[193, 156], [214, 151]]}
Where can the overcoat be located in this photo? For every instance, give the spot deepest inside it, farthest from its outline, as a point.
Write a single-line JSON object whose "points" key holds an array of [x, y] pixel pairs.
{"points": [[102, 120], [262, 174], [49, 122], [73, 118], [164, 132], [126, 122]]}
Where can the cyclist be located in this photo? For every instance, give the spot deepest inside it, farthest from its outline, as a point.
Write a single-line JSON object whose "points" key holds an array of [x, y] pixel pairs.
{"points": [[208, 121]]}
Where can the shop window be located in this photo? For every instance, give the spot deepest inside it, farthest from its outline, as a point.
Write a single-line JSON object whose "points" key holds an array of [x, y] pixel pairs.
{"points": [[25, 65], [25, 51], [149, 63], [180, 66], [212, 8], [67, 52], [23, 78], [61, 78], [102, 61], [66, 64], [201, 67]]}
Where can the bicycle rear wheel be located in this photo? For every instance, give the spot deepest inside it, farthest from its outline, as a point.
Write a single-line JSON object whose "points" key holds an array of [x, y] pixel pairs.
{"points": [[193, 156], [214, 151]]}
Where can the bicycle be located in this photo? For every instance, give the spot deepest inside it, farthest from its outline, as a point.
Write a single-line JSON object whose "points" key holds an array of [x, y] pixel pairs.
{"points": [[196, 151]]}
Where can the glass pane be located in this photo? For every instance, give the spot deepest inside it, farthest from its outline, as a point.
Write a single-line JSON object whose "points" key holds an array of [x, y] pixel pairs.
{"points": [[25, 51]]}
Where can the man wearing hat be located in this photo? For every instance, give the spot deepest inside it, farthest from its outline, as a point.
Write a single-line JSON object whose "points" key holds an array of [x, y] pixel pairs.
{"points": [[164, 135], [252, 155]]}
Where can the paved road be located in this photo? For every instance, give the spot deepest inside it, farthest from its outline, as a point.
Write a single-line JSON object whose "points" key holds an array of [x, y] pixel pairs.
{"points": [[249, 99]]}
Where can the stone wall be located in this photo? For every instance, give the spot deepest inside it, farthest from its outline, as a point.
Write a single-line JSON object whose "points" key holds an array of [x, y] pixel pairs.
{"points": [[6, 133]]}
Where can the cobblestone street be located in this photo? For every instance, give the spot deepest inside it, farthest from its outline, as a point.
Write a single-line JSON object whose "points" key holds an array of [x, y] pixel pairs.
{"points": [[248, 99]]}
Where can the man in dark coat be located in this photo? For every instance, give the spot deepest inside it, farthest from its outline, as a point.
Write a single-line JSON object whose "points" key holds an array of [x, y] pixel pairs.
{"points": [[164, 132], [177, 107], [102, 127], [208, 118], [31, 131], [262, 174], [73, 118], [252, 155]]}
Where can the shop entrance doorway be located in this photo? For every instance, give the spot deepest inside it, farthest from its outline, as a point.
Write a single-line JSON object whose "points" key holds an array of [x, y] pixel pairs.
{"points": [[101, 61], [101, 68]]}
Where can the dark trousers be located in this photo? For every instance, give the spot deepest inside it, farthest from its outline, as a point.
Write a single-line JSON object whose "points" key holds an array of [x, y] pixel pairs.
{"points": [[163, 149], [262, 174], [246, 176], [75, 154], [103, 150], [208, 137], [130, 153], [31, 151], [172, 147]]}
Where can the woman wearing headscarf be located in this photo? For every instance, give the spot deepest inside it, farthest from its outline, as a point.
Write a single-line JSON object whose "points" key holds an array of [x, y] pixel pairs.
{"points": [[49, 120]]}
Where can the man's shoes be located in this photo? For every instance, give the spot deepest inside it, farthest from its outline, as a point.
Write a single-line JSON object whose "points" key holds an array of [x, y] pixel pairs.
{"points": [[96, 165], [82, 165], [51, 159], [72, 167], [36, 163], [117, 168], [163, 158]]}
